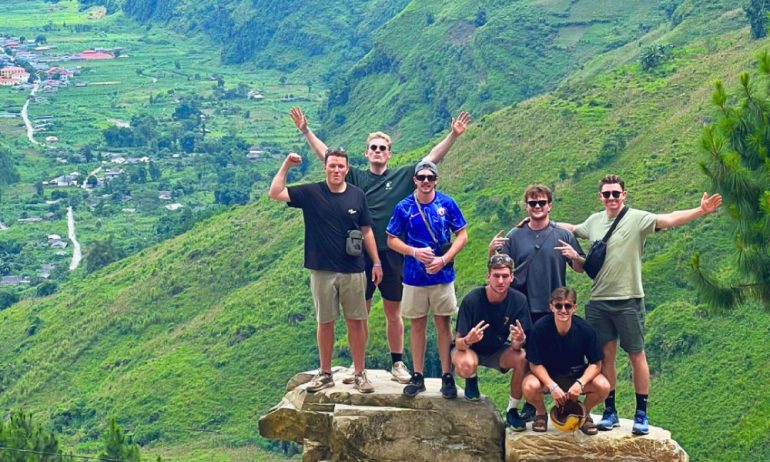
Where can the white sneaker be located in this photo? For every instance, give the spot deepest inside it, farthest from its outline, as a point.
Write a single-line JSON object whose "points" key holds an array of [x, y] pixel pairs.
{"points": [[400, 373]]}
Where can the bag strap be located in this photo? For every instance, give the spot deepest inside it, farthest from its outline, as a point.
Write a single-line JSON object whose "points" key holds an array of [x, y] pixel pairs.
{"points": [[614, 225], [537, 248], [425, 220]]}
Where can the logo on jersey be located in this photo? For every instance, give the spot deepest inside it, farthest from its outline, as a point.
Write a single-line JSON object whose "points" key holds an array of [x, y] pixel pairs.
{"points": [[388, 186], [441, 211], [352, 211]]}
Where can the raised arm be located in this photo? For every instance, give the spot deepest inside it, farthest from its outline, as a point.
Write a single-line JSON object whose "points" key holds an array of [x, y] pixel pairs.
{"points": [[459, 124], [315, 143], [278, 190], [682, 217]]}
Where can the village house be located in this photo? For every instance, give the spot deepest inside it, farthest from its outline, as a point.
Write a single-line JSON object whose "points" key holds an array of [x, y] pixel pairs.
{"points": [[57, 244], [13, 75], [45, 270], [112, 173], [164, 195], [29, 220], [13, 280], [174, 206], [64, 181], [93, 54]]}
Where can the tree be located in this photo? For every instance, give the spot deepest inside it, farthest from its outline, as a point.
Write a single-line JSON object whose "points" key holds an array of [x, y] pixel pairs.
{"points": [[737, 163], [756, 11], [40, 39], [100, 254], [154, 171], [8, 173], [117, 446], [7, 299], [20, 432], [92, 181]]}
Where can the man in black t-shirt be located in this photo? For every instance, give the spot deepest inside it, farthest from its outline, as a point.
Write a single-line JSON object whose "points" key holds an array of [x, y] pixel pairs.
{"points": [[565, 359], [384, 188], [492, 327], [331, 210]]}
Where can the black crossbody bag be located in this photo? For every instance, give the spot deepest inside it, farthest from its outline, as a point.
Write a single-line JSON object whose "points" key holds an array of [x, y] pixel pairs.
{"points": [[598, 251]]}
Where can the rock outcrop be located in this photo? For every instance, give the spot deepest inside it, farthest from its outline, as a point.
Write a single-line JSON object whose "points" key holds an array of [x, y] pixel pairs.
{"points": [[613, 446], [340, 424]]}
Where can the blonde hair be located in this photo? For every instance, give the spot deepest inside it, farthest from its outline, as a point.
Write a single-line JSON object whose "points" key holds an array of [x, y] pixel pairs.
{"points": [[374, 135]]}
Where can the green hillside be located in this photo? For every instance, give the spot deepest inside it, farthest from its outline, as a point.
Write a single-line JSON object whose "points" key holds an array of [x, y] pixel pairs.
{"points": [[189, 342]]}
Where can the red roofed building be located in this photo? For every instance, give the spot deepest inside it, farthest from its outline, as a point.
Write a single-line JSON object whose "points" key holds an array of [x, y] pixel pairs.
{"points": [[93, 54], [11, 44], [13, 75]]}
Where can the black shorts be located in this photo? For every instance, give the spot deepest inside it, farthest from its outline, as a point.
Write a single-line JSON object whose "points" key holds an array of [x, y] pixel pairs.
{"points": [[392, 275]]}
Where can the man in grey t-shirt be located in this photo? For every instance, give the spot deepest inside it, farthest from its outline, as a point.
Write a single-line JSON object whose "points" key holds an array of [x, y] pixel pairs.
{"points": [[541, 252]]}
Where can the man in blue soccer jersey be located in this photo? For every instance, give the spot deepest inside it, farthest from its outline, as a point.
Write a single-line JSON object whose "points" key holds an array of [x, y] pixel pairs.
{"points": [[421, 229]]}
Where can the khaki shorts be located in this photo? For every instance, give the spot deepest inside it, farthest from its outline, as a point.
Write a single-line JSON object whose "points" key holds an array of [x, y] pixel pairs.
{"points": [[418, 301], [330, 290]]}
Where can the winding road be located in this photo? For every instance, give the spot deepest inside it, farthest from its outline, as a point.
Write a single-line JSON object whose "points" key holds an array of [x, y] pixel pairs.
{"points": [[25, 115], [76, 254]]}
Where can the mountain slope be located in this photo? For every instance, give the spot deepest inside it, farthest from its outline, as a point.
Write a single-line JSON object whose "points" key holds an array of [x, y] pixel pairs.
{"points": [[189, 342]]}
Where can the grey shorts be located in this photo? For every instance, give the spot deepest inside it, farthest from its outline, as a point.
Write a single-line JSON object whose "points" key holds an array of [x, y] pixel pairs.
{"points": [[330, 290], [613, 319]]}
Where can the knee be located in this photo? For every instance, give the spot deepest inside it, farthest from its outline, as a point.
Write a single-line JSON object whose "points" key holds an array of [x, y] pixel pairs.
{"points": [[602, 385], [465, 369], [638, 358], [531, 386]]}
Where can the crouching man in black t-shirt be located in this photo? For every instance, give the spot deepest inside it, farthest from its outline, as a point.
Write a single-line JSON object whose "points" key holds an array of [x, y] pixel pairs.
{"points": [[492, 328], [331, 209], [558, 349]]}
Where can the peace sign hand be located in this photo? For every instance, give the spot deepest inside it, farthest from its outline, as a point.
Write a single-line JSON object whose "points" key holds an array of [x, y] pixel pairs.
{"points": [[476, 334], [517, 336]]}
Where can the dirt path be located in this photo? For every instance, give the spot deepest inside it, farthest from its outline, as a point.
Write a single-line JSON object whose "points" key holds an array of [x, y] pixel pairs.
{"points": [[25, 115], [76, 254]]}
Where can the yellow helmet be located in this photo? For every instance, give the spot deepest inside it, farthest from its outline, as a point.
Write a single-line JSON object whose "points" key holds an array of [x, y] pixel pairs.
{"points": [[569, 417]]}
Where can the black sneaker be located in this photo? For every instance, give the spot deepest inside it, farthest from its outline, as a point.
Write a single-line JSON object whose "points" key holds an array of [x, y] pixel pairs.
{"points": [[527, 413], [472, 392], [416, 385], [515, 421], [448, 387]]}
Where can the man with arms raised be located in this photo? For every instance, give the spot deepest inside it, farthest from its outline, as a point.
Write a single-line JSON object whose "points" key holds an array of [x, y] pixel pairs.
{"points": [[565, 359], [421, 229], [616, 308], [492, 328], [330, 210], [541, 252], [384, 187]]}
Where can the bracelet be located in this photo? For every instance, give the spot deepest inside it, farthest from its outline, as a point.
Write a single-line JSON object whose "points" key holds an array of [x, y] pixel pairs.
{"points": [[466, 342], [580, 382], [442, 260], [553, 387], [377, 265], [414, 252], [305, 131]]}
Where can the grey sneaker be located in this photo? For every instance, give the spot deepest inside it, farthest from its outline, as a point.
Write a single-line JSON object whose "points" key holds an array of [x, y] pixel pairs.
{"points": [[319, 382], [362, 383], [400, 373]]}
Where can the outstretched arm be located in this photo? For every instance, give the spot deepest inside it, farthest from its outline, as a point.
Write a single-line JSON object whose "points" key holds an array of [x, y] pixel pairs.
{"points": [[682, 217], [300, 121], [459, 124], [278, 190]]}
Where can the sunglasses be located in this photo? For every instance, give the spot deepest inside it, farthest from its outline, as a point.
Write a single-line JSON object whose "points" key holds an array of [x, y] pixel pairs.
{"points": [[500, 259], [378, 147], [615, 194], [563, 306], [534, 204], [425, 177]]}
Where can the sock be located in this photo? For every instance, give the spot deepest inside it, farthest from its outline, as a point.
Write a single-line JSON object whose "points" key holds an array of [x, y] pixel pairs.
{"points": [[396, 357], [418, 375], [513, 403], [610, 401], [641, 403]]}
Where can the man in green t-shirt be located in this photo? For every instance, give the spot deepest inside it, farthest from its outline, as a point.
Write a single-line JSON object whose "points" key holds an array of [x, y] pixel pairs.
{"points": [[384, 188], [616, 307]]}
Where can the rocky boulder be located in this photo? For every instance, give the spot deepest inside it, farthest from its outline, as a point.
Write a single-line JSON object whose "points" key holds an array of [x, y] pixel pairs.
{"points": [[341, 424]]}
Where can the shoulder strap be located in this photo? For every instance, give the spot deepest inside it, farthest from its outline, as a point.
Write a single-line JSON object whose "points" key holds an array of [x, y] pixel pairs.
{"points": [[614, 225], [425, 220]]}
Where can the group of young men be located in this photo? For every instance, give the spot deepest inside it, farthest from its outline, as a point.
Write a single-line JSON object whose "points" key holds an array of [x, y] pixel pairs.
{"points": [[389, 228]]}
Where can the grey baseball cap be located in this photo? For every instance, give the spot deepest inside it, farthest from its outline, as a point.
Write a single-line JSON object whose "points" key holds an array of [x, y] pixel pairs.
{"points": [[423, 164]]}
